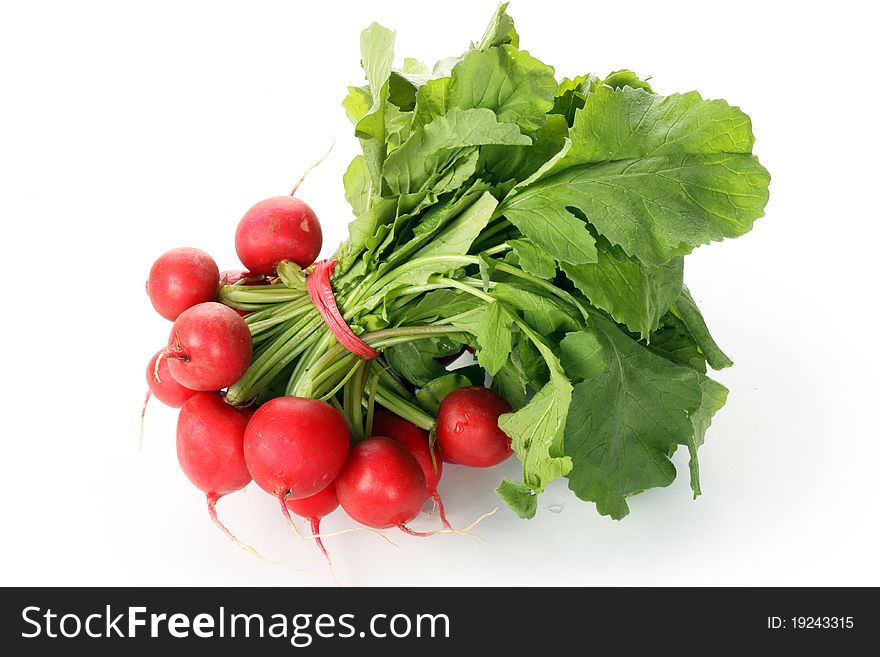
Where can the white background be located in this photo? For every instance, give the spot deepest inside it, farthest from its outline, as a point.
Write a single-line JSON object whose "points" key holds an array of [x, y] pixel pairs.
{"points": [[131, 128]]}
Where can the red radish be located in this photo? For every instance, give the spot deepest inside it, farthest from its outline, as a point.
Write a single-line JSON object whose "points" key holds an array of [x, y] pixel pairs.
{"points": [[209, 347], [467, 427], [180, 279], [415, 439], [315, 507], [165, 387], [210, 449], [295, 446], [162, 386], [382, 484], [210, 444], [279, 228]]}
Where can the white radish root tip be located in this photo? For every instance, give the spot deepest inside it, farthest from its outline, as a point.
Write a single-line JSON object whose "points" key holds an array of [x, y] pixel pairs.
{"points": [[466, 531], [143, 417], [311, 168]]}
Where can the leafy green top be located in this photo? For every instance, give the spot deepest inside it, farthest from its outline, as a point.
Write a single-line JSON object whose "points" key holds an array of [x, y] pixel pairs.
{"points": [[547, 223]]}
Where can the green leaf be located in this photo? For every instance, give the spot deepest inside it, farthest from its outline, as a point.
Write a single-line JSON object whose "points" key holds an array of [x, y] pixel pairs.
{"points": [[431, 395], [572, 95], [543, 313], [500, 31], [626, 420], [551, 227], [686, 309], [363, 230], [377, 53], [416, 361], [533, 260], [457, 237], [356, 181], [410, 168], [458, 172], [430, 223], [494, 337], [635, 294], [510, 383], [487, 266], [583, 356], [674, 342], [714, 397], [357, 103], [517, 163], [398, 126], [536, 430], [510, 82], [657, 176], [432, 100], [626, 78], [518, 497]]}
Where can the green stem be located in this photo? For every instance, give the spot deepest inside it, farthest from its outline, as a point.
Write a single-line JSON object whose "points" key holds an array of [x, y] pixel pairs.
{"points": [[405, 409], [341, 383], [230, 294], [275, 357], [496, 226]]}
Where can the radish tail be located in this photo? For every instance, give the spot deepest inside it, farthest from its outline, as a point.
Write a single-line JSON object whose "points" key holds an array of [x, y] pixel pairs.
{"points": [[212, 512], [286, 513], [441, 510], [412, 532], [143, 415], [467, 530], [309, 170], [316, 534]]}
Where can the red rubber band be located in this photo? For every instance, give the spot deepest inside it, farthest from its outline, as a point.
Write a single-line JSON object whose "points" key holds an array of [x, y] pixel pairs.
{"points": [[321, 294]]}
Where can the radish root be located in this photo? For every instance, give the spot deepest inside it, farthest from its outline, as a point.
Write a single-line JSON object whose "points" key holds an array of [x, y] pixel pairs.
{"points": [[212, 512], [311, 168], [290, 523], [467, 530], [441, 510], [315, 524], [143, 417]]}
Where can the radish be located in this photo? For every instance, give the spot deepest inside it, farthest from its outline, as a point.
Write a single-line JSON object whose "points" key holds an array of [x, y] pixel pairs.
{"points": [[294, 447], [315, 507], [180, 279], [467, 427], [163, 386], [210, 444], [382, 484], [386, 423], [209, 347], [210, 449], [279, 228]]}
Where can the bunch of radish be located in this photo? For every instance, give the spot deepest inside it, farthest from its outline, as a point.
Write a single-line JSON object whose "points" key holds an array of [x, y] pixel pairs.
{"points": [[308, 452]]}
